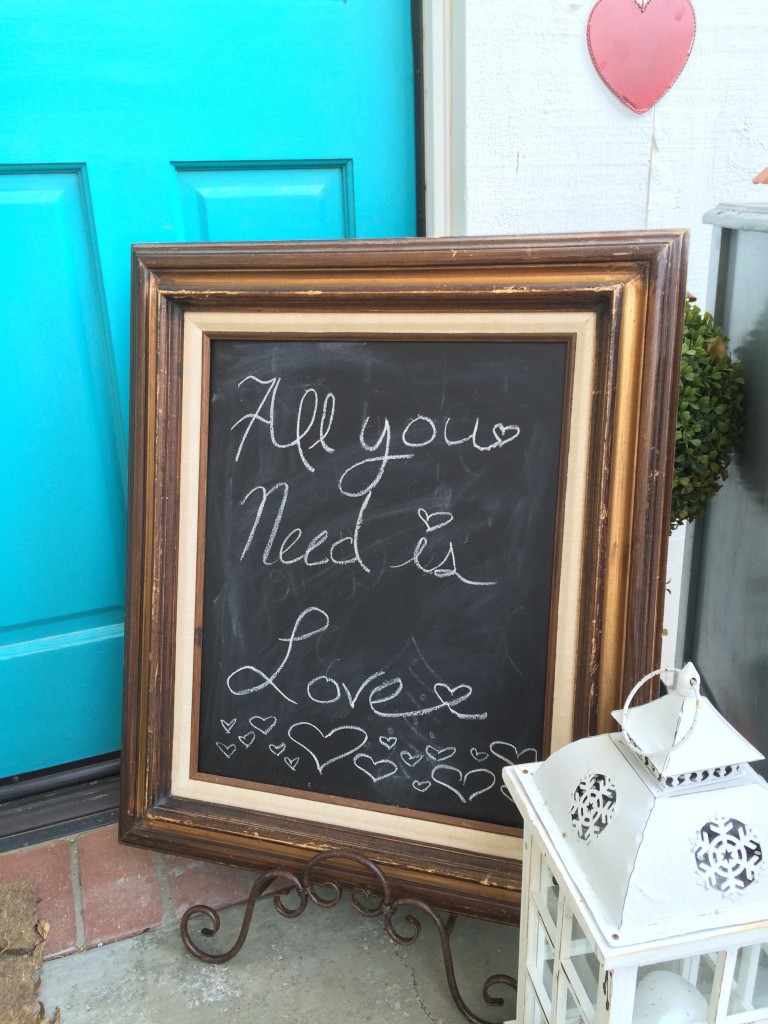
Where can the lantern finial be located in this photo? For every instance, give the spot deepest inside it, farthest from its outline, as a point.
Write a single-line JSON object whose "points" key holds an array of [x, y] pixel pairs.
{"points": [[681, 738]]}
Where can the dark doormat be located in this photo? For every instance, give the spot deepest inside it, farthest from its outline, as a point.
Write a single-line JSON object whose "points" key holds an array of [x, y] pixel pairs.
{"points": [[22, 937]]}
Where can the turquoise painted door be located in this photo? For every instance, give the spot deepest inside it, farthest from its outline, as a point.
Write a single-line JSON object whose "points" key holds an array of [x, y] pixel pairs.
{"points": [[149, 122]]}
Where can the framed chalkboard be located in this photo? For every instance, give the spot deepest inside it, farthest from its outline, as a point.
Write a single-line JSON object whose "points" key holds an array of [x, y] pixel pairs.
{"points": [[397, 520]]}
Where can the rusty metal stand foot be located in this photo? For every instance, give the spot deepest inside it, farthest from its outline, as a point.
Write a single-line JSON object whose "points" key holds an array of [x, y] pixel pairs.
{"points": [[383, 905]]}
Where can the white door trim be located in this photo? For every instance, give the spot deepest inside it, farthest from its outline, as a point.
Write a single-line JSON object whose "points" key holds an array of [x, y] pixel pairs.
{"points": [[445, 116]]}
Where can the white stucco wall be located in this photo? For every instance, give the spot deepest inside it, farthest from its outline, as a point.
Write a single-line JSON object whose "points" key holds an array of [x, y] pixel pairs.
{"points": [[530, 140], [548, 147]]}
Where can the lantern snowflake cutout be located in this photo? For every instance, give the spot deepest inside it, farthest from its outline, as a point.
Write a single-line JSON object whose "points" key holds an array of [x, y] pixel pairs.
{"points": [[728, 855], [645, 899], [593, 805]]}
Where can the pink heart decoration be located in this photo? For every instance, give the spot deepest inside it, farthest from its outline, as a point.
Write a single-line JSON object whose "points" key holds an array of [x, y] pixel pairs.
{"points": [[640, 51]]}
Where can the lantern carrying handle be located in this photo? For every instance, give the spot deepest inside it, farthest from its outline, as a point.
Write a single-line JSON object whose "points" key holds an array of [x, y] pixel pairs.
{"points": [[687, 684]]}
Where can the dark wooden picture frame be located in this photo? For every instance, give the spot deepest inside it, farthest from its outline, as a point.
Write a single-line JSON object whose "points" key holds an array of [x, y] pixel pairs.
{"points": [[613, 302]]}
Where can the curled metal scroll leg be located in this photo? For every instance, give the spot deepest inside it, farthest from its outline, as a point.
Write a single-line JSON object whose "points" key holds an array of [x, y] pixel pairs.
{"points": [[278, 884], [265, 884], [444, 930]]}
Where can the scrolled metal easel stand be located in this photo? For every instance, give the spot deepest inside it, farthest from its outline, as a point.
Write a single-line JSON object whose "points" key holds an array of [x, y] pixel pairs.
{"points": [[307, 891]]}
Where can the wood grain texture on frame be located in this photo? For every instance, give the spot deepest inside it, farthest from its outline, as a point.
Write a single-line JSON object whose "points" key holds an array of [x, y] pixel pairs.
{"points": [[628, 287]]}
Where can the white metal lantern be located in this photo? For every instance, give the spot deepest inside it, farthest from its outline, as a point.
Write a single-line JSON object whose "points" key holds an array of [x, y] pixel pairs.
{"points": [[644, 896]]}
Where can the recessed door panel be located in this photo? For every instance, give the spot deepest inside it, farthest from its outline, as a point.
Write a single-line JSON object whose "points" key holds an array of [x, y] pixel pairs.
{"points": [[291, 201]]}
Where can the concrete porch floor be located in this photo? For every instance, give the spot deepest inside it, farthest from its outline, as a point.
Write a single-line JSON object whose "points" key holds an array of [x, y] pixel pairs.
{"points": [[114, 951]]}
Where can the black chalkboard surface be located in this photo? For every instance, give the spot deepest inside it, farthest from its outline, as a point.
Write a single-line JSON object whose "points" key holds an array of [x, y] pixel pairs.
{"points": [[380, 521]]}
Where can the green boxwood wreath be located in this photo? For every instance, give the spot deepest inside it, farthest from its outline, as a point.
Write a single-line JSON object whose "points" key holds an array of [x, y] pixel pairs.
{"points": [[710, 415]]}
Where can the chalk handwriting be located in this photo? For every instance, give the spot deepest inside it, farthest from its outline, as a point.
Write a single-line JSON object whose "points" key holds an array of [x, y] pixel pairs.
{"points": [[315, 417], [321, 624], [502, 434], [294, 537], [444, 569], [306, 426], [306, 417], [323, 689], [387, 691], [374, 462], [307, 423]]}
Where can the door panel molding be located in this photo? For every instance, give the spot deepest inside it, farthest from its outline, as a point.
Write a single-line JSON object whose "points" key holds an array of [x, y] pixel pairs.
{"points": [[242, 201], [63, 535]]}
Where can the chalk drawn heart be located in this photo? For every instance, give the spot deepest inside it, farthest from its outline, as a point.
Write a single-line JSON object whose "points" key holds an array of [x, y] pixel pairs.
{"points": [[227, 749], [452, 694], [263, 725], [291, 762], [422, 785], [440, 754], [247, 739], [277, 748], [479, 755], [640, 49], [325, 748], [505, 432], [467, 785], [228, 726], [508, 752], [505, 792], [410, 758], [388, 741], [435, 520], [375, 770]]}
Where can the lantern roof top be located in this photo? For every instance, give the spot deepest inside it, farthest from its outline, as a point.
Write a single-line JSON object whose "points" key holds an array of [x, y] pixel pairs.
{"points": [[681, 734], [653, 855]]}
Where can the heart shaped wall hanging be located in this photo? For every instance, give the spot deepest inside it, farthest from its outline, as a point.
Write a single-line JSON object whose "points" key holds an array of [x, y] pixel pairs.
{"points": [[640, 47]]}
